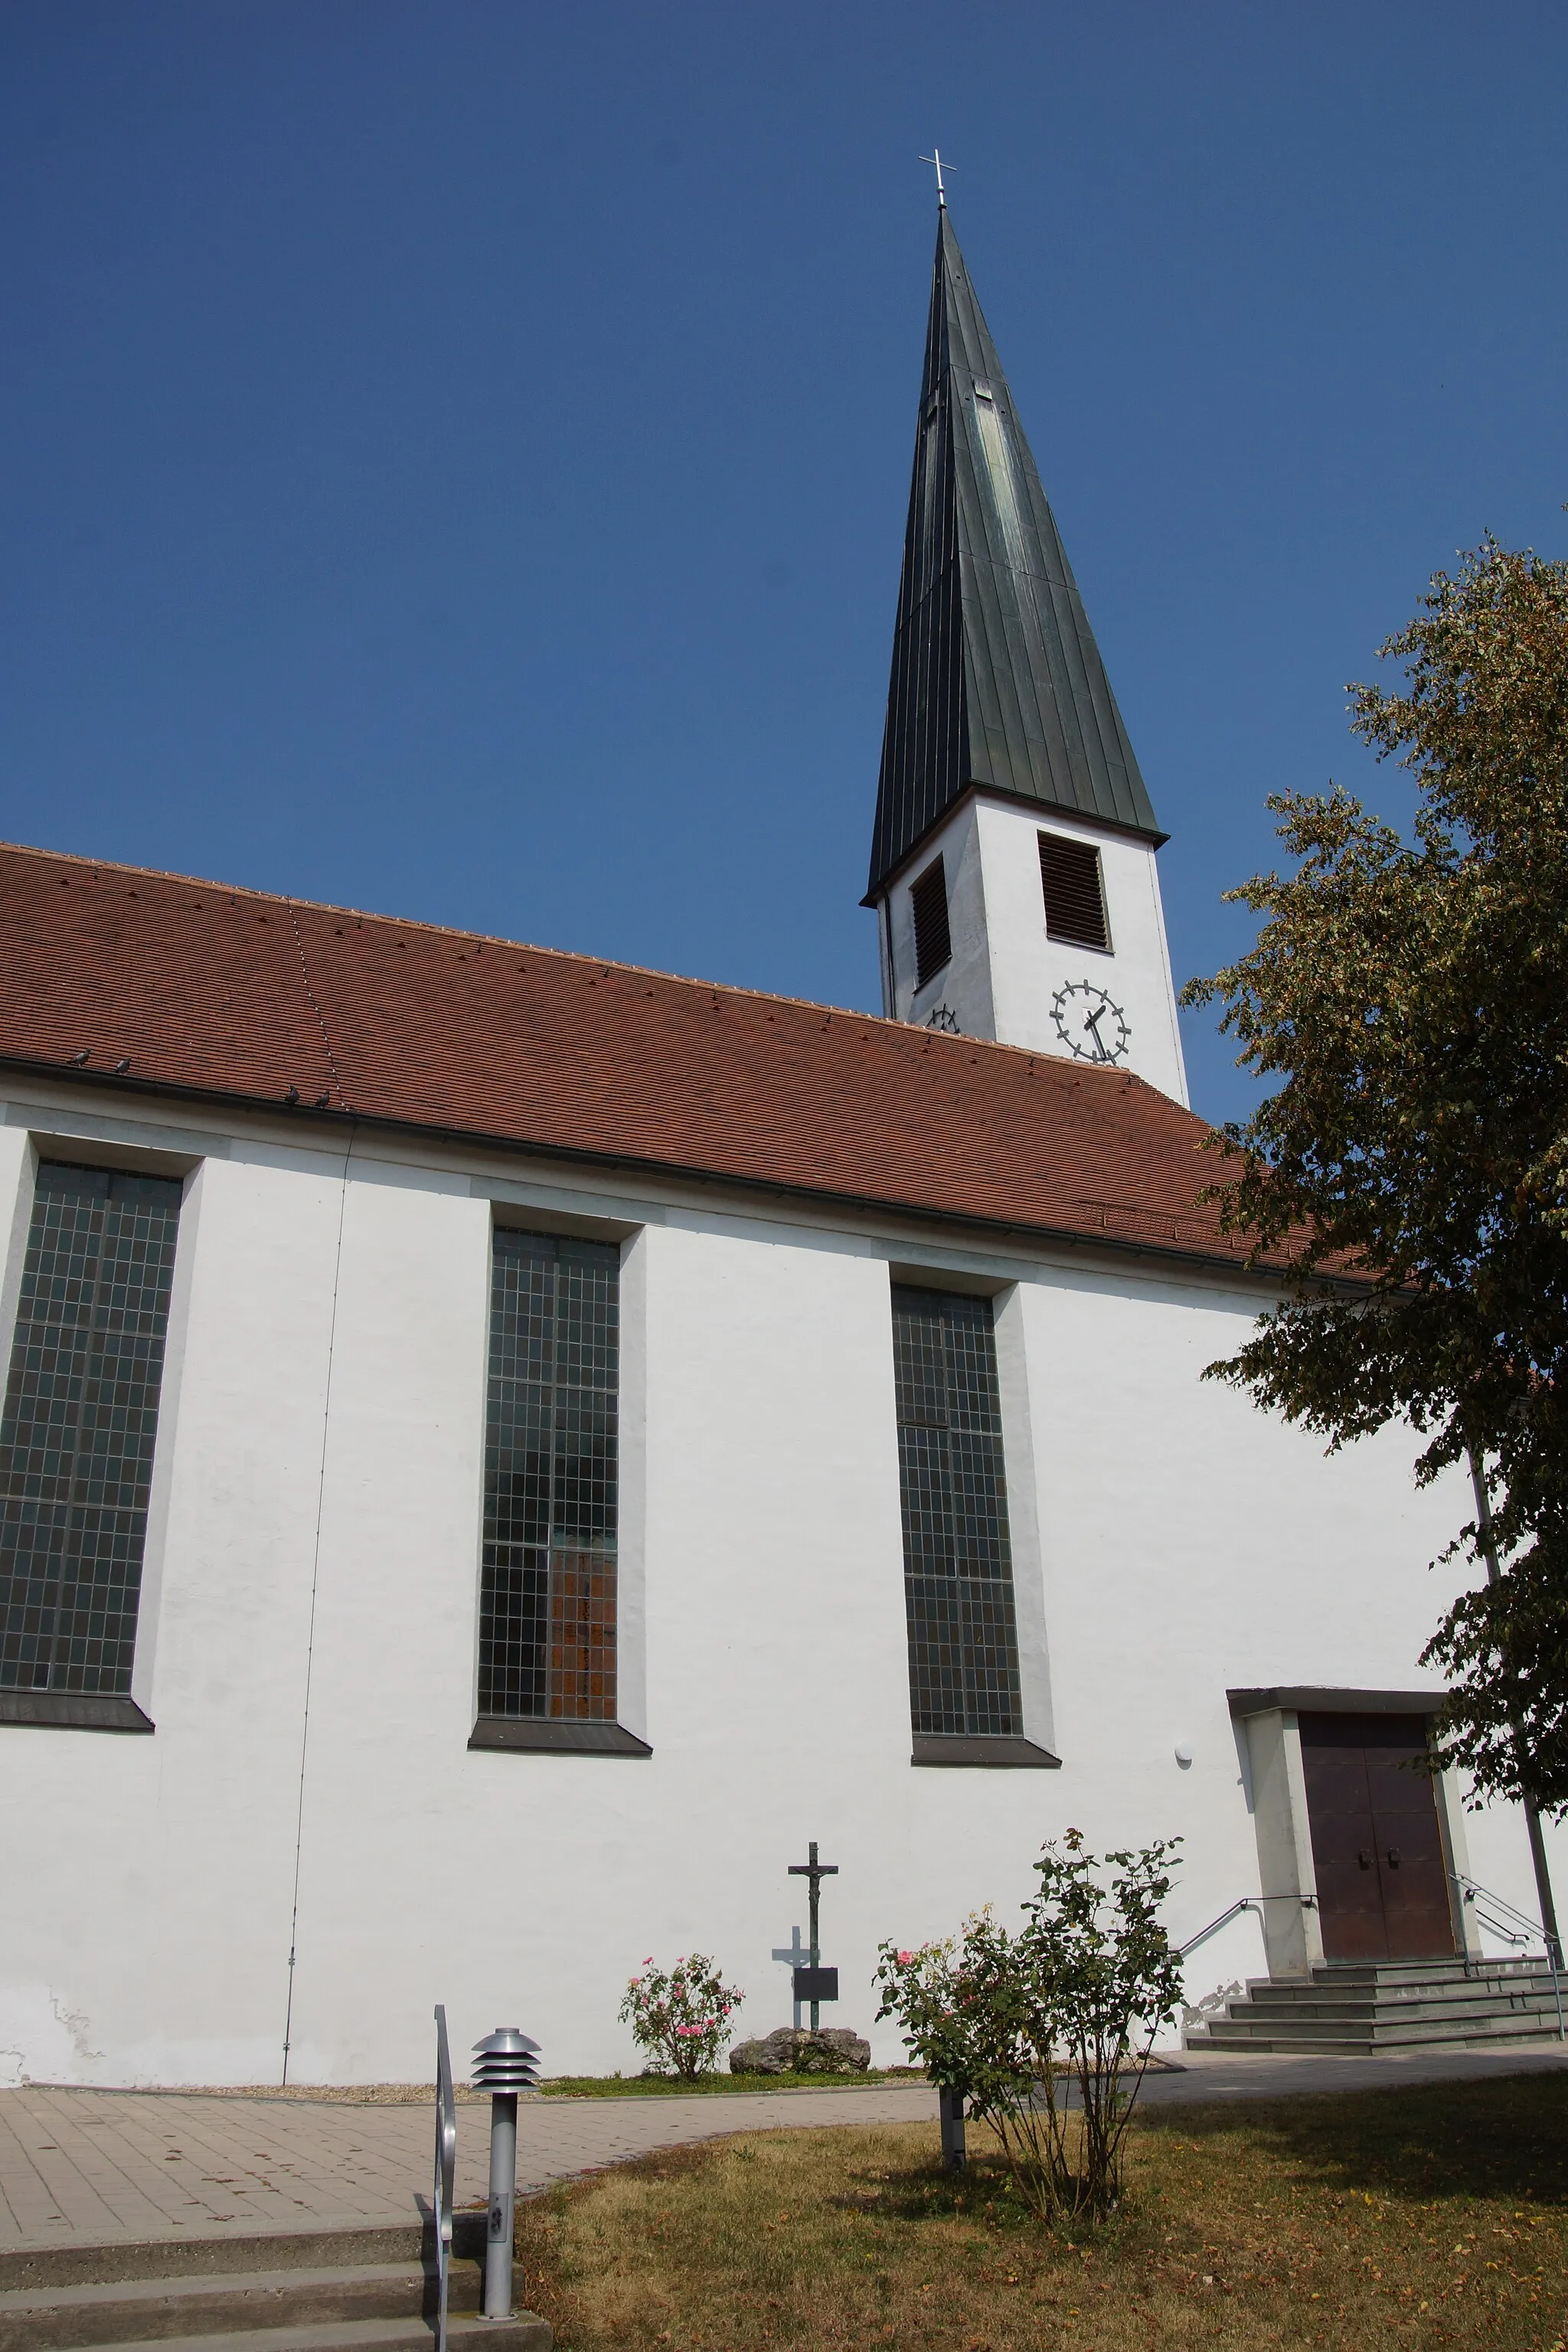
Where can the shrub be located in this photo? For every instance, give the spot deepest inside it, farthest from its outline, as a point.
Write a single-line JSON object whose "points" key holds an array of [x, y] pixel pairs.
{"points": [[681, 2016], [1012, 2020]]}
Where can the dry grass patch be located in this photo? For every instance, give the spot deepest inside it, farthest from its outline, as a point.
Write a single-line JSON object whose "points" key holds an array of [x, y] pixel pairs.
{"points": [[1434, 2216]]}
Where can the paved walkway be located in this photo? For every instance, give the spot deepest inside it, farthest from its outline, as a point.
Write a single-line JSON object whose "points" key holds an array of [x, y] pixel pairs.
{"points": [[95, 2168], [81, 2168]]}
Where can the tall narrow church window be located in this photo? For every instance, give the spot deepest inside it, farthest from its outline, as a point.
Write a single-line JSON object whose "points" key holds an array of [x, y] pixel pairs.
{"points": [[933, 943], [1075, 892], [547, 1617], [958, 1560], [79, 1421]]}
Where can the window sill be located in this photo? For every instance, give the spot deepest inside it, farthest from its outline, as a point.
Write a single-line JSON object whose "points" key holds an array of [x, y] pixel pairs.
{"points": [[543, 1735], [996, 1752], [72, 1711]]}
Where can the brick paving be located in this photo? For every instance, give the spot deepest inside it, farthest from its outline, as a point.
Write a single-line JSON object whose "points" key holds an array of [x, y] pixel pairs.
{"points": [[83, 2168], [95, 2168]]}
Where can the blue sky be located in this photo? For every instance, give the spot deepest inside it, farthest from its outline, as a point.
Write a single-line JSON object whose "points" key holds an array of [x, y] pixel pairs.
{"points": [[454, 455]]}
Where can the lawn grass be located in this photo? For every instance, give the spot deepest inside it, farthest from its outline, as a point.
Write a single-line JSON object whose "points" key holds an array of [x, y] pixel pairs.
{"points": [[667, 2086], [1432, 2216]]}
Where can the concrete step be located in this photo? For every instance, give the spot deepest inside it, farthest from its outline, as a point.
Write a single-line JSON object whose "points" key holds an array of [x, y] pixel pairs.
{"points": [[1394, 2021], [366, 2305], [1250, 2033], [1278, 2047], [1426, 1972], [1401, 2007], [1535, 1989], [1370, 2005], [195, 2255], [525, 2333]]}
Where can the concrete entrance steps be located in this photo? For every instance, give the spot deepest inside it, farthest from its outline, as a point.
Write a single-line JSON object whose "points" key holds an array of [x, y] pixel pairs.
{"points": [[347, 2307], [1353, 2009]]}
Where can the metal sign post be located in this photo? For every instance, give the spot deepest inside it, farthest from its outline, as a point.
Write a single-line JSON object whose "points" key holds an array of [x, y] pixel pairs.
{"points": [[814, 1984]]}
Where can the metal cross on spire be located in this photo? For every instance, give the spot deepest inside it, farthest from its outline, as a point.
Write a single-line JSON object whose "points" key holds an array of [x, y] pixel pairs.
{"points": [[935, 157]]}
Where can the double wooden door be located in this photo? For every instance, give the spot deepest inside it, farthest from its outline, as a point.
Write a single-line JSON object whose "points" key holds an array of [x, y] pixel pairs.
{"points": [[1377, 1848]]}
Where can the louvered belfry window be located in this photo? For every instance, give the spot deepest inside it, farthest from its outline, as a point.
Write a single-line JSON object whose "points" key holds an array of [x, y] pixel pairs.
{"points": [[79, 1423], [958, 1560], [1075, 892], [933, 945], [547, 1615]]}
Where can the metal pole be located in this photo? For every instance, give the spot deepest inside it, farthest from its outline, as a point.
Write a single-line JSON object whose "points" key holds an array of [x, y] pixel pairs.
{"points": [[950, 2107], [503, 2190], [814, 1872], [1531, 1816], [815, 1885], [446, 2168]]}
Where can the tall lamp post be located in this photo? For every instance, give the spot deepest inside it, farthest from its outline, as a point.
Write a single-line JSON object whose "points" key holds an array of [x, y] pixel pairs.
{"points": [[1531, 1816]]}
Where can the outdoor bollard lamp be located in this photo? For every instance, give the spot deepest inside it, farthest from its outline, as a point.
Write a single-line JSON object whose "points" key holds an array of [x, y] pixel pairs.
{"points": [[503, 2066]]}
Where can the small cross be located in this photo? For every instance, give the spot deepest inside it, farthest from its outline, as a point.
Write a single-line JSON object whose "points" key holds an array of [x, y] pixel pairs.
{"points": [[935, 157]]}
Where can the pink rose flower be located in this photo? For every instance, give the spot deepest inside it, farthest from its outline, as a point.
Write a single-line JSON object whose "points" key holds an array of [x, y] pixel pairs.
{"points": [[904, 1959]]}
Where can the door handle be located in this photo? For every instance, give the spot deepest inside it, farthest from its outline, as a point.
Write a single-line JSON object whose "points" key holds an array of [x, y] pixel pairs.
{"points": [[1394, 1857], [1363, 1858]]}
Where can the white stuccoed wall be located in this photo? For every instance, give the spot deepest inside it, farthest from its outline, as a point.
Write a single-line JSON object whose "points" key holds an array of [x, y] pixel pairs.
{"points": [[1005, 971], [964, 983], [1181, 1543]]}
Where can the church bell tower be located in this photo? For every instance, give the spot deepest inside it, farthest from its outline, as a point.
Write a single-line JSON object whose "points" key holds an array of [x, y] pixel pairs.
{"points": [[1013, 862]]}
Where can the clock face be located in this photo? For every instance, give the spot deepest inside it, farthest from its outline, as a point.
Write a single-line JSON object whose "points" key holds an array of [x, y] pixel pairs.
{"points": [[1089, 1024]]}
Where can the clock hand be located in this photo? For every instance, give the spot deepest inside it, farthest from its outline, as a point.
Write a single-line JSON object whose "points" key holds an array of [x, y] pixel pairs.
{"points": [[1092, 1021]]}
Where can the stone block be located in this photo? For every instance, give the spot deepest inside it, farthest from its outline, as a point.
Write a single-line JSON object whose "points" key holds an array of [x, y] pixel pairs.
{"points": [[833, 2049]]}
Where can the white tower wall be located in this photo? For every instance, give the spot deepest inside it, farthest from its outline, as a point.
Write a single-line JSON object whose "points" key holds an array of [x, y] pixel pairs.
{"points": [[1004, 976]]}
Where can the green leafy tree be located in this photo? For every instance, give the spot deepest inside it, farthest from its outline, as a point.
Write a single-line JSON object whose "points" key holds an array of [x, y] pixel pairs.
{"points": [[1073, 1999], [1407, 998]]}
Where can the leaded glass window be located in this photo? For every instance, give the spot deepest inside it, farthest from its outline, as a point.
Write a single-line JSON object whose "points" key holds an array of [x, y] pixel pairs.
{"points": [[957, 1561], [547, 1615], [79, 1421]]}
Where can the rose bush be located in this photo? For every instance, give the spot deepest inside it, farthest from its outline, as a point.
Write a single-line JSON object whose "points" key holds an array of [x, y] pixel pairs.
{"points": [[1075, 1997], [680, 2015]]}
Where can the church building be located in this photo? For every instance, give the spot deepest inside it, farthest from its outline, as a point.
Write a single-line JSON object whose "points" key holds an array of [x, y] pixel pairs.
{"points": [[502, 1448]]}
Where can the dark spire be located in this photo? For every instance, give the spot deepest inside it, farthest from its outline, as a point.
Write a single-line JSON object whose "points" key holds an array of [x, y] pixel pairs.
{"points": [[997, 680]]}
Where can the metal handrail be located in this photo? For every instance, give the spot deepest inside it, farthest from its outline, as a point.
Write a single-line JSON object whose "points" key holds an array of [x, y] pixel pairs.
{"points": [[1471, 1888], [1247, 1903], [446, 2173]]}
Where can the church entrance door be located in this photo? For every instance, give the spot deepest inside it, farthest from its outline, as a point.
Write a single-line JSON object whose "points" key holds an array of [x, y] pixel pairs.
{"points": [[1377, 1848]]}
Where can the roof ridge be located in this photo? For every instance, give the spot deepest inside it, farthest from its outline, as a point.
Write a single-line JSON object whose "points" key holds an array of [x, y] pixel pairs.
{"points": [[573, 955]]}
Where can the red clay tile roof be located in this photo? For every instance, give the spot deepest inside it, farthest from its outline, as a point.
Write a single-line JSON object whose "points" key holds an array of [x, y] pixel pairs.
{"points": [[229, 993]]}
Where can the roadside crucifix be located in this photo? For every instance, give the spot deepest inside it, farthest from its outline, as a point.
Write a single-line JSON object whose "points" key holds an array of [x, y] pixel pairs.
{"points": [[814, 1984]]}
